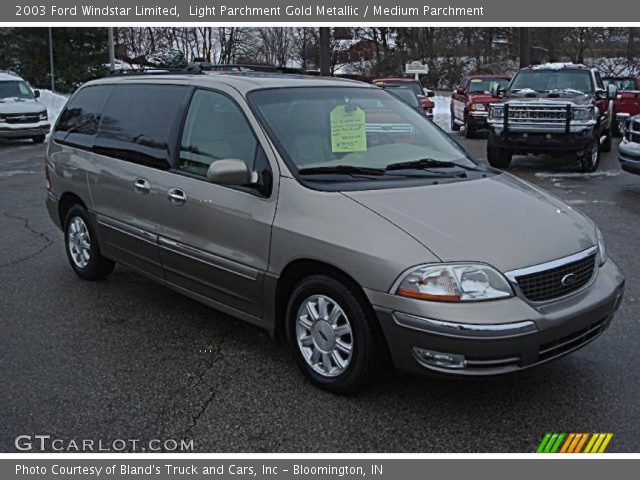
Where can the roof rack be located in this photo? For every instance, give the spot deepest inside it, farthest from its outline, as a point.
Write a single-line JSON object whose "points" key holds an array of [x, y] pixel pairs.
{"points": [[190, 70]]}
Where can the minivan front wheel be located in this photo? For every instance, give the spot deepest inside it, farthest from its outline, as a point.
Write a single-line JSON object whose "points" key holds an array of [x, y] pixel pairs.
{"points": [[82, 247], [333, 341]]}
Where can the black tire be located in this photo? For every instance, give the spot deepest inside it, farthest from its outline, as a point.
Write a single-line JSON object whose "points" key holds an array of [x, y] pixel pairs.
{"points": [[608, 142], [38, 139], [616, 128], [498, 157], [366, 339], [589, 158], [469, 127], [97, 267], [454, 126]]}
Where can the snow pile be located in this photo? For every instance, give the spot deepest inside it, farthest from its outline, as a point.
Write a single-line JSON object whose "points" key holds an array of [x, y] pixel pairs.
{"points": [[54, 102], [442, 112]]}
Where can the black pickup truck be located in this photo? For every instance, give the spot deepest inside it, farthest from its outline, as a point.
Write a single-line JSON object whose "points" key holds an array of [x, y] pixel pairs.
{"points": [[556, 109]]}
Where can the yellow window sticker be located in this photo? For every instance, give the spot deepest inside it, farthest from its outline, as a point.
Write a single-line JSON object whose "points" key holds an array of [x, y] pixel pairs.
{"points": [[348, 130]]}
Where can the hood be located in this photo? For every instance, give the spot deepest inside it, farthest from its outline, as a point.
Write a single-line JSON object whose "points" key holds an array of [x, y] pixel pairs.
{"points": [[531, 96], [12, 105], [480, 97], [500, 220]]}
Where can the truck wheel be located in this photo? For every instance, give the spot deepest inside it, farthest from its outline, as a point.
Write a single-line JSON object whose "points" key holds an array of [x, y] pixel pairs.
{"points": [[499, 157], [454, 126], [38, 139], [81, 244], [469, 127], [589, 158], [333, 341], [606, 145]]}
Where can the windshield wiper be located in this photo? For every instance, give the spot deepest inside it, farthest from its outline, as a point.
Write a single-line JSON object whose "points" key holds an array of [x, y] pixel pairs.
{"points": [[341, 169], [425, 164]]}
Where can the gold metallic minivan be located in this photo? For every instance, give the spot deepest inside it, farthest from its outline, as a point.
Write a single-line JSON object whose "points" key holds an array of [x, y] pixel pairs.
{"points": [[331, 211]]}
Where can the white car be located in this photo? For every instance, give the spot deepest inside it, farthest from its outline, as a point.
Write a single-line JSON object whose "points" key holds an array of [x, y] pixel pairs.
{"points": [[21, 115]]}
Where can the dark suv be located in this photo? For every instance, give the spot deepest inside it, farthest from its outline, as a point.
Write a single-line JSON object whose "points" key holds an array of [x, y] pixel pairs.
{"points": [[557, 109]]}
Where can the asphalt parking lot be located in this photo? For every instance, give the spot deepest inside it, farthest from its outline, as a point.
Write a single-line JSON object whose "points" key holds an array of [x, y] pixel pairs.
{"points": [[128, 359]]}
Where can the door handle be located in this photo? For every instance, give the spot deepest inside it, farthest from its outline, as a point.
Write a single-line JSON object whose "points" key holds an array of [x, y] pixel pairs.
{"points": [[177, 196], [141, 186]]}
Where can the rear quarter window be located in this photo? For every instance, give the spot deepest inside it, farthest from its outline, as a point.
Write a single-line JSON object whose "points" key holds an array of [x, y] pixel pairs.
{"points": [[140, 123], [78, 123]]}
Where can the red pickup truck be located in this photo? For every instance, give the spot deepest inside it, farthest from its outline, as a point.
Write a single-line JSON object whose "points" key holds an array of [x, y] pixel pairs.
{"points": [[470, 102], [627, 102]]}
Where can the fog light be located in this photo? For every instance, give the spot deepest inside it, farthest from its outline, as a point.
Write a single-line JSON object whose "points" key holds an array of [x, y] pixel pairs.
{"points": [[439, 359], [548, 136]]}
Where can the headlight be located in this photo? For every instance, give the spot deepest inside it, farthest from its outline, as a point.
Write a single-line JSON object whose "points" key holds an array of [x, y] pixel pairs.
{"points": [[602, 251], [478, 106], [43, 115], [453, 283], [496, 112], [583, 114]]}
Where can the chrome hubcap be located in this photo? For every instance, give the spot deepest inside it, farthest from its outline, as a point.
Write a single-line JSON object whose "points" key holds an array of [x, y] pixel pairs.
{"points": [[79, 242], [324, 335], [594, 154]]}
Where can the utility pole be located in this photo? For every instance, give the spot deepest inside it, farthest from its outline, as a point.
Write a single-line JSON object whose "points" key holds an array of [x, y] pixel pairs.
{"points": [[112, 55], [525, 47], [53, 81], [325, 53]]}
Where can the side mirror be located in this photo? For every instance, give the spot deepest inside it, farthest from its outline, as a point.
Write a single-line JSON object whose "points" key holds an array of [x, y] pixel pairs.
{"points": [[230, 172], [460, 91], [496, 91], [428, 93], [36, 93], [612, 91]]}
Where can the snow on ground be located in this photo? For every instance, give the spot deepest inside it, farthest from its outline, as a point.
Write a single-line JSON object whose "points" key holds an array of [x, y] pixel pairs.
{"points": [[54, 102], [442, 112]]}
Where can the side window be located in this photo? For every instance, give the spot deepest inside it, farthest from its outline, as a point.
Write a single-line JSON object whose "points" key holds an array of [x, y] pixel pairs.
{"points": [[215, 129], [79, 121], [139, 123]]}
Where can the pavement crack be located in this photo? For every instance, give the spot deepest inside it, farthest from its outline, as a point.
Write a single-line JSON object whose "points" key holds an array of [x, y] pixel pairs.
{"points": [[208, 400], [47, 241]]}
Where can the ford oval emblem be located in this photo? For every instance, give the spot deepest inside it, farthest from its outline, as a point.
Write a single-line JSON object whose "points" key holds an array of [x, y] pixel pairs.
{"points": [[569, 279]]}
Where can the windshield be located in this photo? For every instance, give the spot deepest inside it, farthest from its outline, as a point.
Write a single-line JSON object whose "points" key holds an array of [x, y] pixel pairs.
{"points": [[15, 89], [484, 85], [578, 81], [415, 86], [622, 83], [356, 128], [406, 95]]}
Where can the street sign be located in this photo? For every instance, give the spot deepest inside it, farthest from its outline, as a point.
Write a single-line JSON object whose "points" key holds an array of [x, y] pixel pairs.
{"points": [[416, 67]]}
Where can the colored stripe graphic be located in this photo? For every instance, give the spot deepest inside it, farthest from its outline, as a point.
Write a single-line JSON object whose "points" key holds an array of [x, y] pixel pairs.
{"points": [[554, 442]]}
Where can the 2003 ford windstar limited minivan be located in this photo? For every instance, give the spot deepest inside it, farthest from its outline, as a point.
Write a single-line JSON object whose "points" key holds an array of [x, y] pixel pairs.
{"points": [[332, 211]]}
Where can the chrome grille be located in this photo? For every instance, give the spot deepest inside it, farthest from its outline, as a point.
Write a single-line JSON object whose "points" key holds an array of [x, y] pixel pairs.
{"points": [[22, 118], [632, 134], [518, 114], [559, 280]]}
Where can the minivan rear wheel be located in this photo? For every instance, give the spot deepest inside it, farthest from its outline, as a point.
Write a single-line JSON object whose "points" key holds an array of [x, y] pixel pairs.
{"points": [[332, 340], [82, 247]]}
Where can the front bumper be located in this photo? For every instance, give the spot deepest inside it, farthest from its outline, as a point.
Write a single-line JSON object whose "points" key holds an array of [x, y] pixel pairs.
{"points": [[24, 130], [541, 141], [498, 336], [478, 119], [629, 156]]}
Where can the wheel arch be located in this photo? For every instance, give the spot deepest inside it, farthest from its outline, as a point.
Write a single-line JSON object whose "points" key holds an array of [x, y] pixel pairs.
{"points": [[68, 200], [296, 270]]}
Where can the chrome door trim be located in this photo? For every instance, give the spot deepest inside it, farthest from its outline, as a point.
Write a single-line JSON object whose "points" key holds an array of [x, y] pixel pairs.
{"points": [[138, 233], [209, 259]]}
